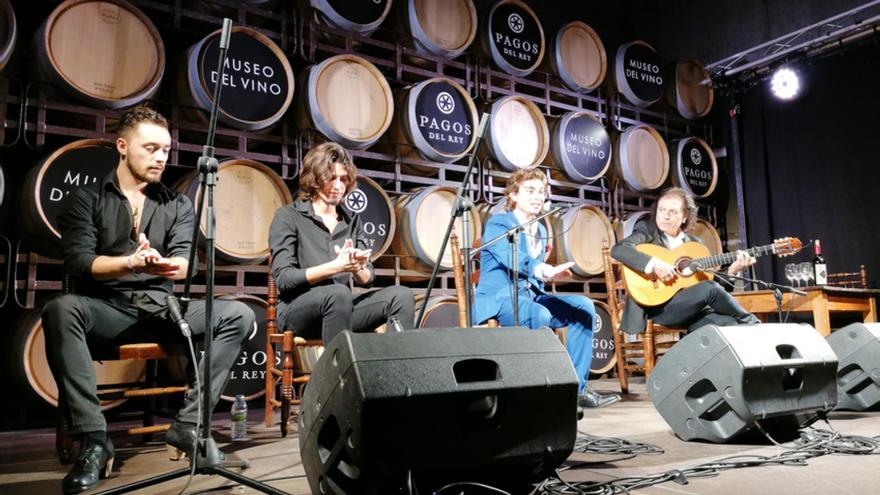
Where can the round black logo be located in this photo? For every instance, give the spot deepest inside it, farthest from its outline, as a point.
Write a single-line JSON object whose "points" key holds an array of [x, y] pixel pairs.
{"points": [[516, 35], [255, 83], [374, 211], [69, 171], [586, 145], [641, 66], [696, 168], [443, 118]]}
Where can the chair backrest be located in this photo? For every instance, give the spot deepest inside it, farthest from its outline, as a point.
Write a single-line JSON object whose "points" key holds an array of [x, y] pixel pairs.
{"points": [[857, 279], [614, 284]]}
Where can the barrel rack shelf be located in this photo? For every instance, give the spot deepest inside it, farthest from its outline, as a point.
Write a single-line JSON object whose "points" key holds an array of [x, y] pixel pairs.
{"points": [[32, 113]]}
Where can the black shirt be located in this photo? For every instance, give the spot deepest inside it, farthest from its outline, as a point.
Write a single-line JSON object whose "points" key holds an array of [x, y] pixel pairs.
{"points": [[300, 240], [97, 221]]}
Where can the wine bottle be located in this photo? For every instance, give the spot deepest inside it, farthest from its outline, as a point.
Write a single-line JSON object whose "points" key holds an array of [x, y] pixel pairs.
{"points": [[819, 268]]}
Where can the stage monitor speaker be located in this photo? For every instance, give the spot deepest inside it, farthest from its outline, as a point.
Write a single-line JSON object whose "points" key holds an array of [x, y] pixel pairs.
{"points": [[858, 373], [718, 382], [437, 406]]}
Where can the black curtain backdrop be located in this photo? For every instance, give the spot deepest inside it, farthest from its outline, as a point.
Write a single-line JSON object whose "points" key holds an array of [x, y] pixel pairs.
{"points": [[811, 167]]}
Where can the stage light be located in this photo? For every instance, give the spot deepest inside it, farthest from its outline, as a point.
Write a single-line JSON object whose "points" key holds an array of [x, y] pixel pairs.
{"points": [[785, 84]]}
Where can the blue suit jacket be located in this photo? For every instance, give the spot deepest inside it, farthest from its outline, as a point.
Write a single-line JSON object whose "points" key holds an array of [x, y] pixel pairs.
{"points": [[495, 268]]}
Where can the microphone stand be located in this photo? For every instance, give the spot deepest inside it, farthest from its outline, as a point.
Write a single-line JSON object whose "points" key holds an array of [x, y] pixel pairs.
{"points": [[461, 206], [205, 459], [512, 235], [777, 289]]}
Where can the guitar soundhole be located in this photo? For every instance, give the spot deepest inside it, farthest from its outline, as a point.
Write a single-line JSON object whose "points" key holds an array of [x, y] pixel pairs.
{"points": [[683, 266]]}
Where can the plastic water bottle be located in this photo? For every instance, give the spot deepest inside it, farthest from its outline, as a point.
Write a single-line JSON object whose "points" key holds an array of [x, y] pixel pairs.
{"points": [[239, 418]]}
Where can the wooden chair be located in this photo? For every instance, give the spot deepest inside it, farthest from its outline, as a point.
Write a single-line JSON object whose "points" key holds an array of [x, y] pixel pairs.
{"points": [[149, 389], [284, 385], [858, 280], [642, 353], [458, 275]]}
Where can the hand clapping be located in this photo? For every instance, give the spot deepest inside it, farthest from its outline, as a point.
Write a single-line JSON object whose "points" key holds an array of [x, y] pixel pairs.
{"points": [[351, 259], [147, 260]]}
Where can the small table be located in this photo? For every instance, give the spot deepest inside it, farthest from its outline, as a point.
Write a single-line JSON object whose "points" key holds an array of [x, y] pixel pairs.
{"points": [[821, 301]]}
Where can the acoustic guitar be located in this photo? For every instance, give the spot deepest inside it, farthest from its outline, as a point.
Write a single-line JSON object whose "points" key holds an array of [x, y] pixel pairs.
{"points": [[689, 261]]}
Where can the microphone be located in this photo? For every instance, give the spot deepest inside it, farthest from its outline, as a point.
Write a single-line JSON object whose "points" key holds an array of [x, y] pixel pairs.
{"points": [[177, 316], [549, 206], [226, 33]]}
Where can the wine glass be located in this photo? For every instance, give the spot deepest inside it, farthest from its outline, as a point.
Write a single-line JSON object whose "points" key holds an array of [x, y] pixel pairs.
{"points": [[790, 273], [807, 272]]}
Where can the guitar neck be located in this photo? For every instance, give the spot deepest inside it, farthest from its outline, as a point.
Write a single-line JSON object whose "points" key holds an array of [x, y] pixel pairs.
{"points": [[727, 258]]}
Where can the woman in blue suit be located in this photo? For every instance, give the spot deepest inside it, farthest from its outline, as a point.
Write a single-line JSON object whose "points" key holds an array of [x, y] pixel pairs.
{"points": [[525, 194]]}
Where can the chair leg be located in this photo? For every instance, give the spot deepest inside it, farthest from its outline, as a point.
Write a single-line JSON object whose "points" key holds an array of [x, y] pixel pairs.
{"points": [[271, 383], [621, 361], [649, 349], [286, 380]]}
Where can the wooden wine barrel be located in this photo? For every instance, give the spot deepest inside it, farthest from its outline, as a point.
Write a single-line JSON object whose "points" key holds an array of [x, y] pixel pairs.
{"points": [[437, 117], [624, 229], [580, 231], [637, 73], [347, 100], [513, 38], [578, 57], [8, 32], [358, 17], [640, 158], [694, 168], [442, 311], [30, 369], [46, 185], [421, 219], [247, 376], [443, 28], [604, 358], [246, 197], [690, 90], [518, 136], [486, 210], [257, 81], [378, 223], [105, 53], [580, 146], [707, 233]]}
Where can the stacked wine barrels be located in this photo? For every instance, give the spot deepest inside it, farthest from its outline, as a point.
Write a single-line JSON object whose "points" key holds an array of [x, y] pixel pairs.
{"points": [[402, 84]]}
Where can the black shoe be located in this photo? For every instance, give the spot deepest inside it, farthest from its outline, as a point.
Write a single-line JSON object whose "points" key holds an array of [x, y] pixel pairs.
{"points": [[180, 440], [590, 398], [94, 463]]}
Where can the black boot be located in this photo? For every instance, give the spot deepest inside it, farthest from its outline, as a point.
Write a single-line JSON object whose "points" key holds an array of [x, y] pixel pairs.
{"points": [[180, 440], [94, 463], [590, 398]]}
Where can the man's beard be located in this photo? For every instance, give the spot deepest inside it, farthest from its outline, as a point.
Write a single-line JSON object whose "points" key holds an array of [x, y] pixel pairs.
{"points": [[139, 176]]}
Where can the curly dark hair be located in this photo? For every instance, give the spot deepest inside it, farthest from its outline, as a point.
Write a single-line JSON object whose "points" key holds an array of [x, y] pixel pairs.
{"points": [[317, 169], [139, 115], [518, 178], [687, 200]]}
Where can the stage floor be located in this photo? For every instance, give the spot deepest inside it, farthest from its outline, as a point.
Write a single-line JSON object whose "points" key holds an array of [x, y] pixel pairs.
{"points": [[28, 464]]}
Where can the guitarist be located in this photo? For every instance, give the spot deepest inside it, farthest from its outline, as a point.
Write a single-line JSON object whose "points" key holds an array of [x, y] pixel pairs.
{"points": [[703, 304]]}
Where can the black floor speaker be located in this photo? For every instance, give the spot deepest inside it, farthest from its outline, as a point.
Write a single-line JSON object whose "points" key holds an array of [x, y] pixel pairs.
{"points": [[858, 373], [718, 382], [438, 406]]}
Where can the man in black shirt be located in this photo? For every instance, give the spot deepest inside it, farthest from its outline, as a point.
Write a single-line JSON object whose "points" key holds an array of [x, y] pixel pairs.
{"points": [[318, 248], [706, 303], [126, 239]]}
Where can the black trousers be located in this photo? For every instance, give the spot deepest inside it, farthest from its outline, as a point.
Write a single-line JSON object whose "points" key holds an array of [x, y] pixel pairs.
{"points": [[74, 323], [326, 310], [706, 303]]}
